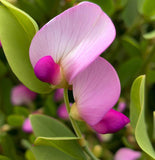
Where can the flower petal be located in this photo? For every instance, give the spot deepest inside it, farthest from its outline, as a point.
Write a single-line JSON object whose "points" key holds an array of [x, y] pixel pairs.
{"points": [[22, 95], [112, 122], [127, 154], [27, 126], [74, 38], [96, 90]]}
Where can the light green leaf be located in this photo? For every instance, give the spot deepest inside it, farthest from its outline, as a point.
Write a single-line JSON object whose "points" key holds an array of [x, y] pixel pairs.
{"points": [[3, 158], [149, 35], [55, 134], [137, 116], [146, 7], [49, 153], [16, 32], [44, 126], [68, 145], [15, 120]]}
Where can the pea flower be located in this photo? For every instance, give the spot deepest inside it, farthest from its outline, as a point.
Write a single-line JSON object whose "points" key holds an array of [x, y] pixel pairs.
{"points": [[27, 127], [62, 112], [68, 43], [121, 106], [96, 90], [127, 154], [58, 95], [21, 95]]}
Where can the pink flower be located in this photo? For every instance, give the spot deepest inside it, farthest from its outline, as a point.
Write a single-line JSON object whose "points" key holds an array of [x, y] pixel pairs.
{"points": [[68, 43], [58, 95], [22, 95], [0, 44], [127, 154], [121, 106], [96, 90], [27, 126], [62, 112]]}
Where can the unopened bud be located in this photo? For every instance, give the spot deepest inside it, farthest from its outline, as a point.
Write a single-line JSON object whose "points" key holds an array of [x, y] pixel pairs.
{"points": [[97, 150]]}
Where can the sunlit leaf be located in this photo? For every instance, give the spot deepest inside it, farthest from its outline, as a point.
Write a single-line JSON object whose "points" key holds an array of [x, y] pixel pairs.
{"points": [[137, 116], [16, 31], [149, 35]]}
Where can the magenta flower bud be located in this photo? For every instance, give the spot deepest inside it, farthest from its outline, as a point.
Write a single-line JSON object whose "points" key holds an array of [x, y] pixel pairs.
{"points": [[62, 112], [48, 71], [21, 95], [121, 106], [112, 122], [58, 95], [0, 44], [127, 154], [27, 126]]}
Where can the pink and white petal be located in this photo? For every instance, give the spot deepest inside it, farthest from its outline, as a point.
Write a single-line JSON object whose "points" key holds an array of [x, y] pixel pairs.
{"points": [[127, 154], [96, 90], [112, 122], [74, 38]]}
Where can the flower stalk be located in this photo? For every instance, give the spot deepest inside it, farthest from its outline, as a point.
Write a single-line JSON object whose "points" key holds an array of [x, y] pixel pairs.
{"points": [[76, 127]]}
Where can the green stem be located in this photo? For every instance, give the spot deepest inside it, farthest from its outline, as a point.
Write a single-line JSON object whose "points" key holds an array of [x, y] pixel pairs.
{"points": [[73, 122], [76, 127]]}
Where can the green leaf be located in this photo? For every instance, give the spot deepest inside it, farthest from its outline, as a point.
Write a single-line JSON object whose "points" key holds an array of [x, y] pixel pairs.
{"points": [[131, 46], [19, 110], [137, 116], [15, 120], [106, 5], [3, 69], [68, 145], [44, 126], [16, 31], [3, 158], [151, 76], [149, 35], [55, 134], [128, 70], [8, 146], [29, 155], [130, 13], [146, 7], [5, 94], [49, 153]]}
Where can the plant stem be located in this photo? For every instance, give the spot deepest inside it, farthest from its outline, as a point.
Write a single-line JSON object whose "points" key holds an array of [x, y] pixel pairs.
{"points": [[73, 122], [76, 127]]}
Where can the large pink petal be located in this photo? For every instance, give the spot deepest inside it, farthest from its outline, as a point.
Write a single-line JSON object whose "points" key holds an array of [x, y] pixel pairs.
{"points": [[74, 38], [96, 90], [127, 154], [112, 122]]}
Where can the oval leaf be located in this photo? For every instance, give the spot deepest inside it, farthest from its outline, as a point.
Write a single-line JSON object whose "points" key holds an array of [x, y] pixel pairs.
{"points": [[68, 145], [16, 31], [55, 134], [49, 153], [137, 116]]}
